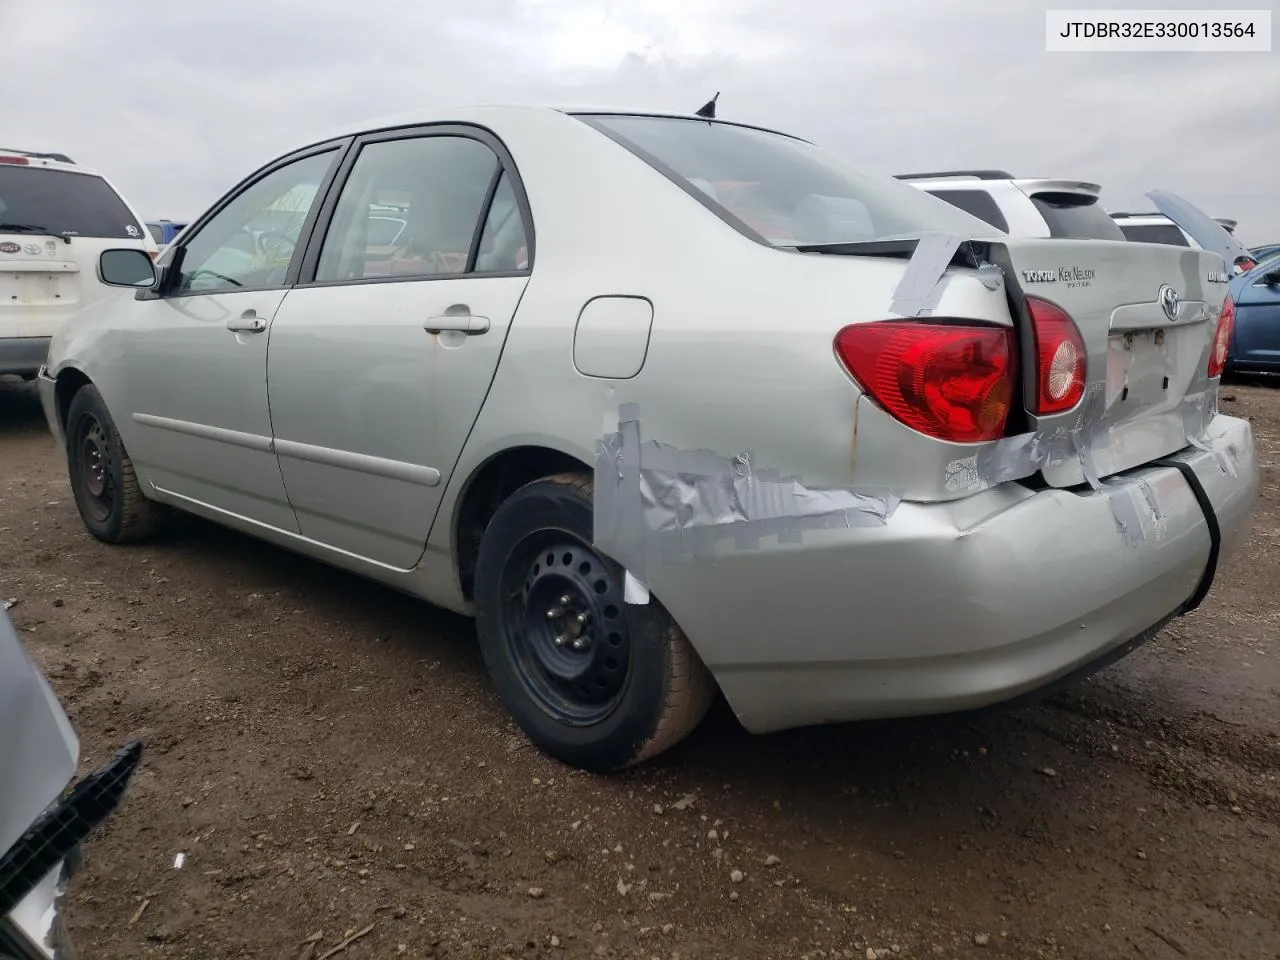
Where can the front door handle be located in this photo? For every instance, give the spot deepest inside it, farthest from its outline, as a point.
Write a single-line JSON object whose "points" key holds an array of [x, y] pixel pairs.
{"points": [[247, 322], [457, 317]]}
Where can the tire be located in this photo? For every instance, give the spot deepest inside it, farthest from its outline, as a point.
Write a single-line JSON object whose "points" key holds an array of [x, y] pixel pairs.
{"points": [[103, 481], [635, 688]]}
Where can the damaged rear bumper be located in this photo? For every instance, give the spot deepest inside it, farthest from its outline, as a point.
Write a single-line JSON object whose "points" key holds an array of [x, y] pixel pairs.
{"points": [[951, 606]]}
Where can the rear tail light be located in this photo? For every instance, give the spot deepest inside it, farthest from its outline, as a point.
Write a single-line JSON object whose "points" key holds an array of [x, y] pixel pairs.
{"points": [[1060, 358], [17, 161], [951, 381], [1222, 338]]}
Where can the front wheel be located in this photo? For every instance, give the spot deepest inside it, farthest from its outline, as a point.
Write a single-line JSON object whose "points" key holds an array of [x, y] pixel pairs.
{"points": [[593, 681], [105, 487]]}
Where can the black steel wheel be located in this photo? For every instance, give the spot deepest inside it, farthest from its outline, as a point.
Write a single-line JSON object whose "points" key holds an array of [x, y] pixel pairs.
{"points": [[103, 482], [596, 682], [564, 624], [94, 465]]}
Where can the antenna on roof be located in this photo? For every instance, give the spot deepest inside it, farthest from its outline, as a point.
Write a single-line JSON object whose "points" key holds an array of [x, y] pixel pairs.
{"points": [[708, 109]]}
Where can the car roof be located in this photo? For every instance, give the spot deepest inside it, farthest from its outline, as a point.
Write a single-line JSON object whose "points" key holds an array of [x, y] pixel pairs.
{"points": [[486, 113], [47, 161]]}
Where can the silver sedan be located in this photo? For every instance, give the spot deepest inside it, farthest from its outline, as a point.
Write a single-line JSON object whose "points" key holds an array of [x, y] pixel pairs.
{"points": [[674, 405]]}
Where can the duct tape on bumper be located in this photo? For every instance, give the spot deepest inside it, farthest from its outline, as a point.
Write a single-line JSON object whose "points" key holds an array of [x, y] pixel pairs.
{"points": [[654, 500], [1133, 503]]}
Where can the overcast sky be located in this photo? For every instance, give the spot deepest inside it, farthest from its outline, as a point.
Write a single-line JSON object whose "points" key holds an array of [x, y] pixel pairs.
{"points": [[177, 100]]}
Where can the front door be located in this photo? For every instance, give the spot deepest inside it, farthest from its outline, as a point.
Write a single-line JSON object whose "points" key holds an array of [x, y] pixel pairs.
{"points": [[381, 358], [197, 354]]}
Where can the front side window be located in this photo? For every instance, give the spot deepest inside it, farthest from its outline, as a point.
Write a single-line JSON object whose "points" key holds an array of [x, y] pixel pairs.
{"points": [[248, 244], [62, 203], [784, 190], [410, 208]]}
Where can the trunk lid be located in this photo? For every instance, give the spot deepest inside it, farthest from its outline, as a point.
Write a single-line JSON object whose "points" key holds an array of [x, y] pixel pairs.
{"points": [[1147, 314]]}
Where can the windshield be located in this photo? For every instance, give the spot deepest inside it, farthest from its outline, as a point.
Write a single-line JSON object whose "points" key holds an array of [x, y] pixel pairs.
{"points": [[64, 203], [786, 191]]}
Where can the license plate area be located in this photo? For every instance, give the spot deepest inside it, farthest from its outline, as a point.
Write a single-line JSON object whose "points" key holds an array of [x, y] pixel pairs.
{"points": [[1145, 371], [28, 288]]}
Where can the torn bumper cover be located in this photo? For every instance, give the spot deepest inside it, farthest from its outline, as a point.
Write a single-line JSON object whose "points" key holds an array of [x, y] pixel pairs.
{"points": [[39, 840], [34, 872], [832, 607]]}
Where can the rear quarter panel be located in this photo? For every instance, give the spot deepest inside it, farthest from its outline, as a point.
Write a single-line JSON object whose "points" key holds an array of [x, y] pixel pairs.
{"points": [[741, 353]]}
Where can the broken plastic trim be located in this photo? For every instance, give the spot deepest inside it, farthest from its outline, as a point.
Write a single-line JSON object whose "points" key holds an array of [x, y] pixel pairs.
{"points": [[1133, 503], [654, 500], [58, 831]]}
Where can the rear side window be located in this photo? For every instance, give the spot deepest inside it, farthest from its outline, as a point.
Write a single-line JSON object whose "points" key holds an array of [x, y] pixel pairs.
{"points": [[977, 202], [1155, 233], [157, 232], [1076, 217], [780, 189], [64, 204], [440, 185]]}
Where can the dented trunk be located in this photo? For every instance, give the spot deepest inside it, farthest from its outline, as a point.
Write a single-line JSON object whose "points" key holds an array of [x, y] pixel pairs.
{"points": [[1147, 314]]}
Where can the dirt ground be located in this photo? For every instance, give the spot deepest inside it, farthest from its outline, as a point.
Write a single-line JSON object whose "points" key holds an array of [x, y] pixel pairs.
{"points": [[329, 758]]}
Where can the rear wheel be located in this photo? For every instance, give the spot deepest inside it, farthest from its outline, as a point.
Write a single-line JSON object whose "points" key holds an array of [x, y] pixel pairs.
{"points": [[103, 482], [593, 681]]}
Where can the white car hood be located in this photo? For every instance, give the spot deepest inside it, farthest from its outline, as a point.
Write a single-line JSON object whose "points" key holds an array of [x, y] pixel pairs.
{"points": [[1201, 227]]}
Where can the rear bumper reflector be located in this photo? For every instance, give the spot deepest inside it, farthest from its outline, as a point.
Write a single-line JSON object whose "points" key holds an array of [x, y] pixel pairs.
{"points": [[1215, 532]]}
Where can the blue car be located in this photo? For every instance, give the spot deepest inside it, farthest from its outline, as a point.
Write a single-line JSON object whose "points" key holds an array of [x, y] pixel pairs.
{"points": [[1255, 338], [163, 231]]}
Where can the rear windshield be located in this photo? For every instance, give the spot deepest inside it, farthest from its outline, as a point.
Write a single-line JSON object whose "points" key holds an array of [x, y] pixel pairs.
{"points": [[1076, 217], [1155, 233], [63, 203], [784, 190]]}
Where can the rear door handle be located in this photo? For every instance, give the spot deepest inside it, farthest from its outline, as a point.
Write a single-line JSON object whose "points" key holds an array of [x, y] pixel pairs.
{"points": [[457, 317], [247, 322]]}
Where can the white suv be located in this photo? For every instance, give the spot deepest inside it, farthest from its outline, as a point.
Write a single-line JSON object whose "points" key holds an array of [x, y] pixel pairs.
{"points": [[1022, 207], [1157, 228], [56, 217]]}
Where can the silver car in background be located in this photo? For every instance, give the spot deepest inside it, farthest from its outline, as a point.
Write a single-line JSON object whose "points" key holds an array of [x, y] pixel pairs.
{"points": [[670, 405], [43, 820]]}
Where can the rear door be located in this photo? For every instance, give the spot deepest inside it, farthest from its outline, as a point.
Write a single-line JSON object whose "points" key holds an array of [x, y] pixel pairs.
{"points": [[380, 360], [1257, 322]]}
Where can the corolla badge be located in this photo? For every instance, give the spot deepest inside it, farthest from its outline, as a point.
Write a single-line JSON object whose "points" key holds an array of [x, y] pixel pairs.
{"points": [[9, 247], [1168, 298]]}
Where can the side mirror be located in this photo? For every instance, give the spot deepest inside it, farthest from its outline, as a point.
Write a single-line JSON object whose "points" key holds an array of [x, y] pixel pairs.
{"points": [[127, 268]]}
